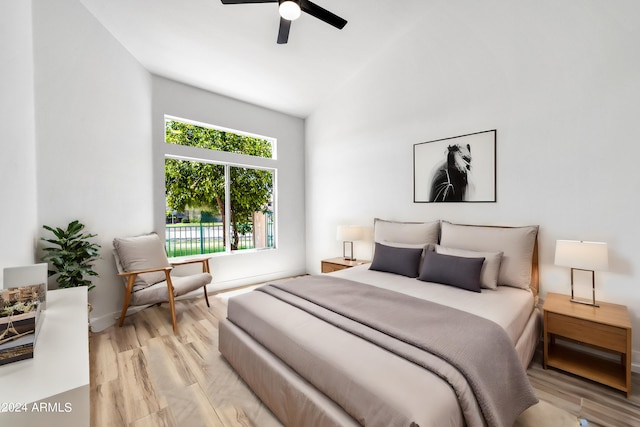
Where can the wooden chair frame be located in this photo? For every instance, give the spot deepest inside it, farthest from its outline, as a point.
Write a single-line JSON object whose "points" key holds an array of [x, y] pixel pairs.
{"points": [[131, 278]]}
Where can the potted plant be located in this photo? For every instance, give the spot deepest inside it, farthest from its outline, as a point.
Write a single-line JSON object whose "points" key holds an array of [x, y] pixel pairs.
{"points": [[72, 255]]}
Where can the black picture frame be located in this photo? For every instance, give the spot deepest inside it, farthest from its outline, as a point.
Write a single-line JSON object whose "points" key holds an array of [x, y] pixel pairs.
{"points": [[459, 169]]}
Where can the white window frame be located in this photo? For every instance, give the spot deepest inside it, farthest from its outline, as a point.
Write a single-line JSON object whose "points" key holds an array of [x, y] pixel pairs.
{"points": [[228, 160]]}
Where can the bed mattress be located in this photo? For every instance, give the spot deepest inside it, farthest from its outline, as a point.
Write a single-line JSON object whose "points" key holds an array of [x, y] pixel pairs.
{"points": [[509, 307], [384, 384]]}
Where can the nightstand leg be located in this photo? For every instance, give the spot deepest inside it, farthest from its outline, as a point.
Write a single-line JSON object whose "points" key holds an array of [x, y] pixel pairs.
{"points": [[546, 351], [545, 338]]}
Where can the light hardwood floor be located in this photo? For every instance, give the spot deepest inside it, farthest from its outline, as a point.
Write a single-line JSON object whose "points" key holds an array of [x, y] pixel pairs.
{"points": [[144, 375]]}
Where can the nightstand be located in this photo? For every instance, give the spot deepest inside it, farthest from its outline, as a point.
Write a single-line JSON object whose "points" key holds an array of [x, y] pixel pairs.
{"points": [[335, 264], [569, 326]]}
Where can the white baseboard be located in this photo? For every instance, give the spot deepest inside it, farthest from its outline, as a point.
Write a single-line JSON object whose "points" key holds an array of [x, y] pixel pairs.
{"points": [[103, 322], [635, 361]]}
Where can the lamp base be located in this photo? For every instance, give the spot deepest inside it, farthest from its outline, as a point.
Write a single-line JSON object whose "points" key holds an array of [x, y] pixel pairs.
{"points": [[577, 301], [592, 303], [346, 257]]}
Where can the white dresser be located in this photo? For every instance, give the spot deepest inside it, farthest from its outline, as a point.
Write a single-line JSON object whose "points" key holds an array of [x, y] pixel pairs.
{"points": [[52, 389]]}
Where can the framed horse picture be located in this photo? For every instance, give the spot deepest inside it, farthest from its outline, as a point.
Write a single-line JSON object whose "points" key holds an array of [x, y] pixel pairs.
{"points": [[457, 169]]}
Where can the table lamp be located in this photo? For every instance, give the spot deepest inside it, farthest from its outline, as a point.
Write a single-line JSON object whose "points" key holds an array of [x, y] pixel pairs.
{"points": [[349, 234], [581, 255]]}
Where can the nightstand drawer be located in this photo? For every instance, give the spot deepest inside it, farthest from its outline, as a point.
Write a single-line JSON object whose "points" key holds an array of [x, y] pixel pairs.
{"points": [[335, 264], [327, 267], [597, 334]]}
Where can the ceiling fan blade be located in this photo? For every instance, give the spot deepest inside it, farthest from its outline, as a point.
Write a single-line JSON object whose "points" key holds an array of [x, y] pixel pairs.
{"points": [[283, 32], [248, 1], [322, 14]]}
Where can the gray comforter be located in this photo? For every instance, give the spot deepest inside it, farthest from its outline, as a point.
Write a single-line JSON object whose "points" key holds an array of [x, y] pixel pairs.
{"points": [[472, 354]]}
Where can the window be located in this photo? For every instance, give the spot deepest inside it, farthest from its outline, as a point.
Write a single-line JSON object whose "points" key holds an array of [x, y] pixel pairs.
{"points": [[217, 202], [181, 132]]}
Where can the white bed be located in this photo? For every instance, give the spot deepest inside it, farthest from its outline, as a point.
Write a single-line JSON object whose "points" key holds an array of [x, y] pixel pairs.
{"points": [[309, 373], [511, 308]]}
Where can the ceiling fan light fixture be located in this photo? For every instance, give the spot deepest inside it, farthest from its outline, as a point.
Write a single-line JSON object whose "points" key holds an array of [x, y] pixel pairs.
{"points": [[290, 10]]}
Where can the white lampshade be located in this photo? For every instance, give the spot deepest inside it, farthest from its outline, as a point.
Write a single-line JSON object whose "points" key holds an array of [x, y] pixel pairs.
{"points": [[582, 255], [350, 233], [289, 10]]}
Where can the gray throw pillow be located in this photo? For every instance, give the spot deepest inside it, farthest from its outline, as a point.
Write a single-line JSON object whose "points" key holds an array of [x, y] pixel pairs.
{"points": [[461, 272], [490, 268], [404, 261]]}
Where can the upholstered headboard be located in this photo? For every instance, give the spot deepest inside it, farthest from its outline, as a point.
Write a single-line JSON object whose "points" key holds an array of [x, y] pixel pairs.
{"points": [[535, 281], [519, 266]]}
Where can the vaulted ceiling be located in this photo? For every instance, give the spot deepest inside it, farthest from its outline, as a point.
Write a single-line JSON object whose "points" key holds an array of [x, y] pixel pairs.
{"points": [[232, 50]]}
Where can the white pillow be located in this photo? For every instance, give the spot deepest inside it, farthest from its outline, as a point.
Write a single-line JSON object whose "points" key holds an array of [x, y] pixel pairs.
{"points": [[428, 246], [405, 232], [490, 267], [516, 244]]}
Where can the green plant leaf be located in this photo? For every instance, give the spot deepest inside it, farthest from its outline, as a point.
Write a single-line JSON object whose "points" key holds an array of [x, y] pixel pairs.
{"points": [[72, 255]]}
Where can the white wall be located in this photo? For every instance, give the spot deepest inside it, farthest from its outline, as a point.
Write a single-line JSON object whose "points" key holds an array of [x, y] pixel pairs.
{"points": [[175, 99], [18, 207], [78, 144], [559, 81], [93, 131]]}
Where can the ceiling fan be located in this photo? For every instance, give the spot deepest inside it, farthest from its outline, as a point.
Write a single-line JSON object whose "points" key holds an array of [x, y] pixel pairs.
{"points": [[290, 10]]}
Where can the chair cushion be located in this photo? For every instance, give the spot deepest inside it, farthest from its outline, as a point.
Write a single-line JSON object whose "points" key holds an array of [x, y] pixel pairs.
{"points": [[142, 253], [158, 292]]}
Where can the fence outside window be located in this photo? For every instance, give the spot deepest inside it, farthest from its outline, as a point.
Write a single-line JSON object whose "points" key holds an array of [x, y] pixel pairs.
{"points": [[207, 238]]}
